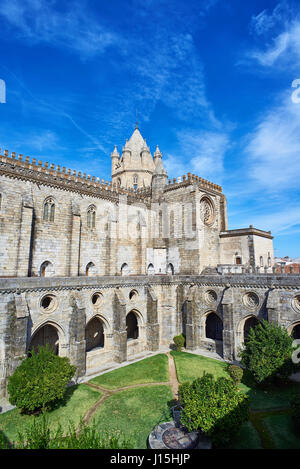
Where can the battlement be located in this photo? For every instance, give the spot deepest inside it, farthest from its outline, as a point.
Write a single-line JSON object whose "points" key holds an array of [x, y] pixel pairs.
{"points": [[64, 174], [192, 179]]}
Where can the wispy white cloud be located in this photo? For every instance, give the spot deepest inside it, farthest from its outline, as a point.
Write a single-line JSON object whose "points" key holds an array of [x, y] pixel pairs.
{"points": [[203, 155], [40, 21], [280, 34], [273, 149]]}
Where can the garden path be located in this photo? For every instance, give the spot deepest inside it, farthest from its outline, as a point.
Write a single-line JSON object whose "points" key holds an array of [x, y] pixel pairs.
{"points": [[173, 382]]}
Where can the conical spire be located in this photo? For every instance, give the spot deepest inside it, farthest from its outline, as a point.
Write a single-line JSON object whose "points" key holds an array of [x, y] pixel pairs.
{"points": [[160, 169], [157, 153], [115, 152]]}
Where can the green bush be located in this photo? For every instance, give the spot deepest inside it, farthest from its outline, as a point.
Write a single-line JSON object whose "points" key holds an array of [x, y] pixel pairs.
{"points": [[39, 380], [39, 436], [267, 353], [296, 414], [218, 408], [179, 341], [236, 373]]}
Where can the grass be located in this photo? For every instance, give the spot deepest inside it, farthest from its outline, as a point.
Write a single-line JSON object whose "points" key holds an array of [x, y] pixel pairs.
{"points": [[247, 438], [190, 366], [150, 370], [76, 403], [135, 412], [281, 430], [269, 397]]}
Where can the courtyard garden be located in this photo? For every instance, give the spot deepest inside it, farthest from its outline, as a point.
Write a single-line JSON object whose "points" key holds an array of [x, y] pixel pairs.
{"points": [[133, 399]]}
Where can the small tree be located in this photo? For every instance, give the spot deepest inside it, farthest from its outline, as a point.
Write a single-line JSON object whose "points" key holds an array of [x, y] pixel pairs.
{"points": [[267, 353], [236, 373], [179, 341], [218, 408], [39, 380]]}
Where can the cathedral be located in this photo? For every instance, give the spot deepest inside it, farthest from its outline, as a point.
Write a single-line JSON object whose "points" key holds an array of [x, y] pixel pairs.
{"points": [[109, 271]]}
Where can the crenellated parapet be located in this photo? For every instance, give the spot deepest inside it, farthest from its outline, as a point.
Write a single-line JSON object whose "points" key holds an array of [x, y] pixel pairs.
{"points": [[16, 166], [190, 179]]}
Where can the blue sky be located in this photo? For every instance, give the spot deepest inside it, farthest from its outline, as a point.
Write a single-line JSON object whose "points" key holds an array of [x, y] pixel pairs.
{"points": [[211, 81]]}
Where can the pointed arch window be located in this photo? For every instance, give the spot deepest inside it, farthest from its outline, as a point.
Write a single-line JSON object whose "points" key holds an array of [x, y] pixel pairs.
{"points": [[49, 210], [135, 182], [91, 217]]}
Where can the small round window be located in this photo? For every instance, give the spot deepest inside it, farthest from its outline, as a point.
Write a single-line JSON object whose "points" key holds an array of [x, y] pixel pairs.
{"points": [[48, 303], [96, 299]]}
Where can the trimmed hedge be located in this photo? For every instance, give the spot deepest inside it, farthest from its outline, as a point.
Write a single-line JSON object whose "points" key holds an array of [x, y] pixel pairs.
{"points": [[236, 373], [179, 341], [40, 380], [218, 408], [267, 353]]}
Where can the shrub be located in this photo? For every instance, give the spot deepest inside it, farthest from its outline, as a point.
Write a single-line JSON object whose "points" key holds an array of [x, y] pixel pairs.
{"points": [[179, 341], [39, 436], [267, 353], [296, 414], [236, 373], [218, 408], [39, 380]]}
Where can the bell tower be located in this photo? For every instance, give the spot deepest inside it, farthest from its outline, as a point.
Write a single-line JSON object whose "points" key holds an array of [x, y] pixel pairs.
{"points": [[135, 167]]}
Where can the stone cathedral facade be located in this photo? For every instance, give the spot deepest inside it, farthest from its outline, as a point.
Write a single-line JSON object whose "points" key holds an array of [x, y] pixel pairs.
{"points": [[106, 272]]}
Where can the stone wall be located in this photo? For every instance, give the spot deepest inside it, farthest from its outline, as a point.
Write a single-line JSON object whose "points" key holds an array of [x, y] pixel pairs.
{"points": [[164, 305]]}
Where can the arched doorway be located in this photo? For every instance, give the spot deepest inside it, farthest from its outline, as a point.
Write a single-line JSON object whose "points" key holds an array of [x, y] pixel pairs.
{"points": [[132, 326], [94, 334], [46, 335], [170, 269], [213, 327], [250, 323], [296, 331]]}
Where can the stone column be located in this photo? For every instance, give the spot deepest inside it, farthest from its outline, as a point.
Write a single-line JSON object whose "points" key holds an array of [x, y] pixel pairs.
{"points": [[77, 349], [273, 307], [13, 335], [228, 329], [152, 332], [26, 238], [190, 328], [119, 326]]}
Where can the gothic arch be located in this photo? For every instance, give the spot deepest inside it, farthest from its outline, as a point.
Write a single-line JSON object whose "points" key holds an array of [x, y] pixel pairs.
{"points": [[294, 329], [150, 269], [213, 326], [47, 269], [170, 269], [91, 216], [240, 331], [90, 269], [49, 209], [95, 333], [133, 325], [124, 269], [48, 332]]}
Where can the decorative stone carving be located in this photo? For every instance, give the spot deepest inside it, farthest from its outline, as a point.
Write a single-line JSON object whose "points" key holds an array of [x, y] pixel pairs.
{"points": [[206, 211], [251, 300], [296, 303], [210, 296]]}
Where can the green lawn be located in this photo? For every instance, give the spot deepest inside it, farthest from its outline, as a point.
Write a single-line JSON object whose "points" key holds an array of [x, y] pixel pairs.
{"points": [[135, 412], [77, 402], [269, 397], [149, 370], [247, 438], [190, 366], [281, 431]]}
